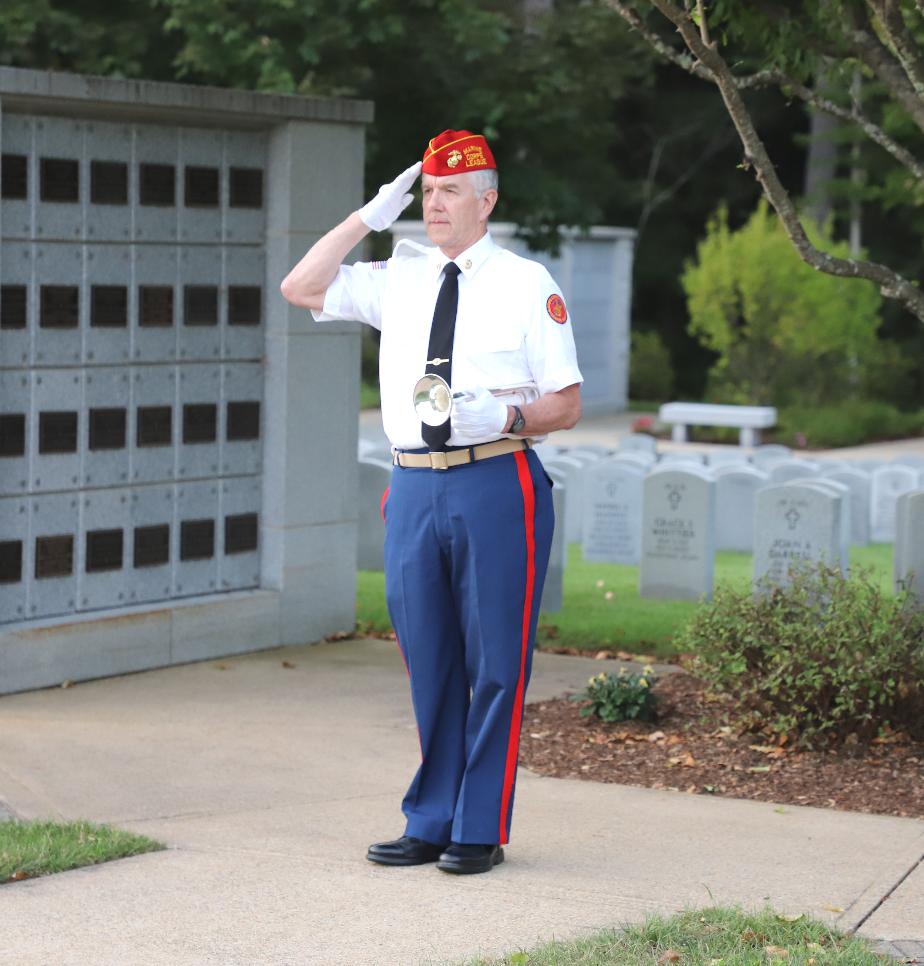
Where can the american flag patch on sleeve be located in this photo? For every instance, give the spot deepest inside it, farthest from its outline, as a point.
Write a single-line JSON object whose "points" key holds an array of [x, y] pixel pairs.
{"points": [[380, 264]]}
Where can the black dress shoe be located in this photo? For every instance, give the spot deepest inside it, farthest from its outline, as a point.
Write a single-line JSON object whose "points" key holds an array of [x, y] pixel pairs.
{"points": [[404, 851], [468, 859]]}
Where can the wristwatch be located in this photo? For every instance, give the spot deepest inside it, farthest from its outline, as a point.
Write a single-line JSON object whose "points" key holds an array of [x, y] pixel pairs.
{"points": [[518, 423]]}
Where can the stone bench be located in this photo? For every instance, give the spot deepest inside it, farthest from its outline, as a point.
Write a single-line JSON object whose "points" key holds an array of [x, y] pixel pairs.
{"points": [[748, 419]]}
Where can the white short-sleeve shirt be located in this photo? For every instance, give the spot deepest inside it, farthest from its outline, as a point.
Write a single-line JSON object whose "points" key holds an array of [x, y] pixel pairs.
{"points": [[512, 326]]}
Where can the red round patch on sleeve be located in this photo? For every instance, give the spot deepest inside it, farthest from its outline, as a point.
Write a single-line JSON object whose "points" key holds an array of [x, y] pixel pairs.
{"points": [[555, 305]]}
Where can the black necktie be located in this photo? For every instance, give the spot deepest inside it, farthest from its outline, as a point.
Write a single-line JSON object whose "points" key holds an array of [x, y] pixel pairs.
{"points": [[439, 352]]}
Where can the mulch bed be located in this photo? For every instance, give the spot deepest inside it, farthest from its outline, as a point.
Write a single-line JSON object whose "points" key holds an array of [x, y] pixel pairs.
{"points": [[696, 747]]}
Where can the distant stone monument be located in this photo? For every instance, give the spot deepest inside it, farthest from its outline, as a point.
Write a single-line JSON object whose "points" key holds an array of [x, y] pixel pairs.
{"points": [[678, 534], [795, 523]]}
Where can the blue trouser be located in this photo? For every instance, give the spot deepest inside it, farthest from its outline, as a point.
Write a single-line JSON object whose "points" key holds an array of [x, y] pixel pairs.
{"points": [[466, 551]]}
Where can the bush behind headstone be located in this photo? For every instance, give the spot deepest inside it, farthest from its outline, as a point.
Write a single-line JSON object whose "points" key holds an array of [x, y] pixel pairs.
{"points": [[820, 659]]}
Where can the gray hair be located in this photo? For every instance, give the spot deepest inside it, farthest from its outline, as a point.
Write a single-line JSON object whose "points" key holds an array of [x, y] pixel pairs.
{"points": [[483, 180]]}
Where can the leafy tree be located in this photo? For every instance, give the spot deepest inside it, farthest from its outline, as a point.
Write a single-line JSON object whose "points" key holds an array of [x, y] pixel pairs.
{"points": [[783, 332], [739, 45]]}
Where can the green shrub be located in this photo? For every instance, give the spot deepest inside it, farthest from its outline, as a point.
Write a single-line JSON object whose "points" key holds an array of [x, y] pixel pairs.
{"points": [[784, 333], [818, 660], [651, 374], [850, 423], [621, 697]]}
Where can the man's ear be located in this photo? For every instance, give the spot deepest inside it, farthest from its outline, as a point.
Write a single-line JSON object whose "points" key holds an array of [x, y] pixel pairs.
{"points": [[488, 201]]}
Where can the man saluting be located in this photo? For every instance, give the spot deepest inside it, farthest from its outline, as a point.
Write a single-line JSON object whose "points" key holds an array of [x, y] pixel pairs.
{"points": [[468, 515]]}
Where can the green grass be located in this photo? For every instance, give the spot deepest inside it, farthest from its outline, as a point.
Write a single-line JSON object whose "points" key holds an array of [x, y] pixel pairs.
{"points": [[589, 620], [704, 937], [29, 849]]}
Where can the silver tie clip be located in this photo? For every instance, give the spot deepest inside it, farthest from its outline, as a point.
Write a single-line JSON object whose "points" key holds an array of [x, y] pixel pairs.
{"points": [[436, 362]]}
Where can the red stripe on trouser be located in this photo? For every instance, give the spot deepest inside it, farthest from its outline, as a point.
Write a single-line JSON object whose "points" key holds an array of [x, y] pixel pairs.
{"points": [[382, 504], [513, 741]]}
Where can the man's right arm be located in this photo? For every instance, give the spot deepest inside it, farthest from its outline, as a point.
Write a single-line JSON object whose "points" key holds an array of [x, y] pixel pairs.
{"points": [[307, 283]]}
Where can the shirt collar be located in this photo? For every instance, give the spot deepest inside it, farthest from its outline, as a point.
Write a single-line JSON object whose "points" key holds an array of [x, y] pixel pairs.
{"points": [[471, 259]]}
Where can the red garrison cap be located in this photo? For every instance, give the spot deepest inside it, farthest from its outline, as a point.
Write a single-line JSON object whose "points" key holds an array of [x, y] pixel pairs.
{"points": [[454, 152]]}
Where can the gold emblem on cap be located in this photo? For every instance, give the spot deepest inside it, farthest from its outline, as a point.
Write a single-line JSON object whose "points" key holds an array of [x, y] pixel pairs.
{"points": [[454, 158], [468, 263]]}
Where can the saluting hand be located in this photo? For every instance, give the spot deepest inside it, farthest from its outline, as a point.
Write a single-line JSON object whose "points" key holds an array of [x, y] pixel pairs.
{"points": [[392, 199], [477, 414]]}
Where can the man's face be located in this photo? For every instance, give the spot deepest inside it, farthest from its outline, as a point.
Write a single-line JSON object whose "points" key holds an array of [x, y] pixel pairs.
{"points": [[454, 215]]}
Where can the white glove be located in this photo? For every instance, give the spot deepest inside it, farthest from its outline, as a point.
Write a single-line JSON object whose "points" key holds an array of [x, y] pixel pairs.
{"points": [[391, 200], [476, 415]]}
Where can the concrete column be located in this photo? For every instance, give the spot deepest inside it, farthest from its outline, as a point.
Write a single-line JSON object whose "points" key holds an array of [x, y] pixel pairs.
{"points": [[311, 391]]}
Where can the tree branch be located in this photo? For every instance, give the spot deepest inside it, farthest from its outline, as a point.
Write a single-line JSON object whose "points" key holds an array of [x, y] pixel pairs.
{"points": [[897, 33], [668, 52], [890, 283], [854, 115], [879, 59], [773, 77]]}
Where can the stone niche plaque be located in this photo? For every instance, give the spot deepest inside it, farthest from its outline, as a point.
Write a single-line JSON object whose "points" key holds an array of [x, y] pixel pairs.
{"points": [[678, 534], [612, 511], [909, 543], [796, 523]]}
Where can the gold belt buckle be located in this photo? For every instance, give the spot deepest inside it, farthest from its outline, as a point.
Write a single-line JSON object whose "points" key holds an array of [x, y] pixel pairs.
{"points": [[439, 461]]}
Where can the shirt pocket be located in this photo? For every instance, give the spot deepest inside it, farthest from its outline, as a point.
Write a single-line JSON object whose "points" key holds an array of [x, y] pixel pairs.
{"points": [[497, 359]]}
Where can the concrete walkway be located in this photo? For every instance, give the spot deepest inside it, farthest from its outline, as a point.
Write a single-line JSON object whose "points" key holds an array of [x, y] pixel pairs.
{"points": [[268, 782]]}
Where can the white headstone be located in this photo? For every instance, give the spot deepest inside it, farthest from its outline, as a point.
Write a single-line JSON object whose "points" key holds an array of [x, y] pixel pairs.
{"points": [[736, 489], [374, 478], [546, 451], [858, 482], [573, 470], [889, 482], [728, 456], [636, 458], [638, 441], [591, 450], [771, 453], [552, 590], [909, 543], [795, 469], [795, 522], [842, 492], [682, 456], [612, 509], [912, 459], [678, 534]]}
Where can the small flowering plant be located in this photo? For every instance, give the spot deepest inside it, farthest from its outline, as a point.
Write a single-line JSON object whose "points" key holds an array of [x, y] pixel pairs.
{"points": [[621, 697]]}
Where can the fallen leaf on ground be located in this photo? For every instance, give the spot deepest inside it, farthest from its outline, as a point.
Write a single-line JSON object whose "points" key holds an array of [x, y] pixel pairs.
{"points": [[669, 956], [759, 768], [288, 664], [786, 918], [19, 875], [777, 952], [833, 908], [656, 736]]}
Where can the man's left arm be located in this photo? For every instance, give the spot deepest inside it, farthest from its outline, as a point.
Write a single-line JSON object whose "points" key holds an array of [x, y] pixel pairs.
{"points": [[555, 410]]}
